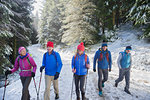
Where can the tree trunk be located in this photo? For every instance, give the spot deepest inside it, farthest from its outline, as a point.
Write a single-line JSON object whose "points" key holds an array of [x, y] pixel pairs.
{"points": [[114, 17], [118, 14]]}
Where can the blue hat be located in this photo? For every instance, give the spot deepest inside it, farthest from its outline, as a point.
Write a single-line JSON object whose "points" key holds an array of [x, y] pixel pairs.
{"points": [[104, 44], [128, 48]]}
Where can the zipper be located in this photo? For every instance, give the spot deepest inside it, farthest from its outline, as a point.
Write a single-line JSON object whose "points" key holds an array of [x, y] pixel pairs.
{"points": [[23, 63], [23, 66]]}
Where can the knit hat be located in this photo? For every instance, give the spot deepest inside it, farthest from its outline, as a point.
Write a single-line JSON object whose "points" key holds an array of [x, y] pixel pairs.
{"points": [[50, 44], [104, 44], [128, 48], [20, 49], [81, 46]]}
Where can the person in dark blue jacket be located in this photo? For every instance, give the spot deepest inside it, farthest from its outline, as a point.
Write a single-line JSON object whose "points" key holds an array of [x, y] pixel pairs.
{"points": [[103, 57], [80, 66], [52, 64], [124, 64]]}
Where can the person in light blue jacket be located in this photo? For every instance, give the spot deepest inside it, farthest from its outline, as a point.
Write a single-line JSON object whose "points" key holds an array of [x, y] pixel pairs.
{"points": [[80, 66], [124, 64], [52, 64], [103, 58]]}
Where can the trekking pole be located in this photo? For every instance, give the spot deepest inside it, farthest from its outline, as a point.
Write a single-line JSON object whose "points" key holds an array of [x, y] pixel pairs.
{"points": [[72, 86], [86, 80], [39, 86], [35, 84], [5, 88]]}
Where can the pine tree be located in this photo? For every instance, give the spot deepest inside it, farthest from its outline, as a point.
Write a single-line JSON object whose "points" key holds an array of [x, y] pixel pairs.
{"points": [[50, 23], [140, 14], [15, 28], [79, 23]]}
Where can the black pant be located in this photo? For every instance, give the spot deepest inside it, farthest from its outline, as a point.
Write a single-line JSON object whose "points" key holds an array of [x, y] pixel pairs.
{"points": [[104, 73], [25, 84], [81, 79]]}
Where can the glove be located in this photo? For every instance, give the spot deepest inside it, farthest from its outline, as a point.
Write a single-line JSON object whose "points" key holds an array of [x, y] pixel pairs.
{"points": [[41, 68], [56, 76], [7, 72], [94, 70], [33, 74], [109, 70]]}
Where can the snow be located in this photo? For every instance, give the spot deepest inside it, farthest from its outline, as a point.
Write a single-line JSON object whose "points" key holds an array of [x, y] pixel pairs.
{"points": [[140, 72]]}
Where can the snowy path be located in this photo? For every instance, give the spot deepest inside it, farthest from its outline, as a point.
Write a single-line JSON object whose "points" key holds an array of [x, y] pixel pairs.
{"points": [[65, 80], [140, 74]]}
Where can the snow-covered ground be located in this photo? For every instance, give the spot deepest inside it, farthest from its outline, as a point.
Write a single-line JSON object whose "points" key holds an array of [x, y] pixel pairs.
{"points": [[140, 73]]}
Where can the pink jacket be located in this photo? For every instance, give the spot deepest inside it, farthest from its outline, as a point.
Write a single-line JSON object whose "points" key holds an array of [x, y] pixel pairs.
{"points": [[24, 66]]}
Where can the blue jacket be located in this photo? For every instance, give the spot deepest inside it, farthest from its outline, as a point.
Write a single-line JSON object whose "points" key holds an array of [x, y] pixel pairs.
{"points": [[79, 64], [125, 61], [103, 64], [52, 63]]}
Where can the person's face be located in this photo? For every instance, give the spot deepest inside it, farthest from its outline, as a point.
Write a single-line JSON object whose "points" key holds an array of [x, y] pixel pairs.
{"points": [[80, 52], [128, 51], [23, 52], [104, 48], [50, 49]]}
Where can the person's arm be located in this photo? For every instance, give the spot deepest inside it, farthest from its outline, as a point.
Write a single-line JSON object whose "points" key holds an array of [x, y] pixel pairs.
{"points": [[88, 60], [130, 61], [44, 60], [72, 63], [95, 59], [119, 60], [33, 64], [110, 60], [59, 62], [16, 66]]}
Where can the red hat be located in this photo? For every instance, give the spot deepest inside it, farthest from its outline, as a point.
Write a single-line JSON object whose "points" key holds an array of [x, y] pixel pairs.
{"points": [[50, 44], [81, 46]]}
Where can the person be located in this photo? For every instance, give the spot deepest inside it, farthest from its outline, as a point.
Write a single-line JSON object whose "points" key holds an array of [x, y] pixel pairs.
{"points": [[103, 55], [80, 66], [124, 64], [52, 64], [28, 68]]}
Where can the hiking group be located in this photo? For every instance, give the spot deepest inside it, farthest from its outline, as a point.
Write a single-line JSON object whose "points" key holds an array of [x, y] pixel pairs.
{"points": [[52, 64]]}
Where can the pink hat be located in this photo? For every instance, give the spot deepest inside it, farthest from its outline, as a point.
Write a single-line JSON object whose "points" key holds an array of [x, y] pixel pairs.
{"points": [[20, 49], [50, 44], [81, 46]]}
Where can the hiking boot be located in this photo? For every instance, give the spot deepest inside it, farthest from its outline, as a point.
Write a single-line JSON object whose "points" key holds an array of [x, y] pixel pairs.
{"points": [[127, 91], [116, 84], [100, 93], [83, 97], [57, 96], [78, 98]]}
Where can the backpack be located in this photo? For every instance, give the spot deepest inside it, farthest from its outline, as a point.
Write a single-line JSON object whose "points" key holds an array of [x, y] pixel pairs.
{"points": [[101, 55], [53, 53], [77, 59], [27, 60]]}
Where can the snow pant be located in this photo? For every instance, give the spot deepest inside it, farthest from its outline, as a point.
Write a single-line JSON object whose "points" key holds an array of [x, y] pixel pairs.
{"points": [[104, 73], [124, 72], [81, 79], [48, 80], [25, 84]]}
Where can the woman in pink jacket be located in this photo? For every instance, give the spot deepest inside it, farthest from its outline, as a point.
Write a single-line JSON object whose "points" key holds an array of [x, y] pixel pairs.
{"points": [[27, 71]]}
